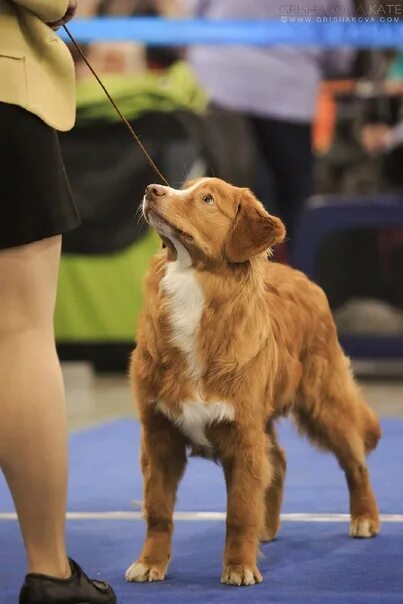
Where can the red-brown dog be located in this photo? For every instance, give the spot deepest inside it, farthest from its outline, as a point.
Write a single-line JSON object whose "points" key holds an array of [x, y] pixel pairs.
{"points": [[227, 343]]}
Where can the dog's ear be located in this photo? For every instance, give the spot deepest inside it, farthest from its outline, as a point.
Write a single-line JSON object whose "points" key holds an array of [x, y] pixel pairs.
{"points": [[254, 230]]}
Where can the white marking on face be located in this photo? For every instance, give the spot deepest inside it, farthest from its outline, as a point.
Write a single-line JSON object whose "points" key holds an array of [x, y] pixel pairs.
{"points": [[179, 192], [164, 229], [183, 192], [159, 225], [196, 416]]}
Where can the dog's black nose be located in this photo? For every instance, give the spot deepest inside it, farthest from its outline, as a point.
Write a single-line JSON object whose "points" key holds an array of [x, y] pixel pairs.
{"points": [[153, 191]]}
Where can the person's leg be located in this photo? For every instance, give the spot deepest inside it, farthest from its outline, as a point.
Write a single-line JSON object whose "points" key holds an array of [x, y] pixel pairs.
{"points": [[230, 147], [33, 443], [287, 151]]}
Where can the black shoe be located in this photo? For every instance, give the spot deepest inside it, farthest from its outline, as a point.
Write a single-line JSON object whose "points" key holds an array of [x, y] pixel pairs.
{"points": [[78, 589]]}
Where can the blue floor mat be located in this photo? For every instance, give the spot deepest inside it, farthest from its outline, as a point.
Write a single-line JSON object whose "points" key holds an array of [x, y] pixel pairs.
{"points": [[105, 474], [311, 563]]}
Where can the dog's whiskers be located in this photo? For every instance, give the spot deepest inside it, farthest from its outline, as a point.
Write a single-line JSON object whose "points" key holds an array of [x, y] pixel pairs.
{"points": [[140, 215]]}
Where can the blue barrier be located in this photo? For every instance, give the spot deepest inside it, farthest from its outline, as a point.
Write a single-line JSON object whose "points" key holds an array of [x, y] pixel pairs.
{"points": [[329, 214], [295, 31]]}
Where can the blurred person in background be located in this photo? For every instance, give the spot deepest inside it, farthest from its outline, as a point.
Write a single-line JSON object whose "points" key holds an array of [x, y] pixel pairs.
{"points": [[382, 120], [382, 138], [126, 57], [36, 99], [275, 90], [109, 57], [154, 57]]}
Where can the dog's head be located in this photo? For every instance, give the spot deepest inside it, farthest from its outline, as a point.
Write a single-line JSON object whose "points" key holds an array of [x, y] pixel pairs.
{"points": [[212, 219]]}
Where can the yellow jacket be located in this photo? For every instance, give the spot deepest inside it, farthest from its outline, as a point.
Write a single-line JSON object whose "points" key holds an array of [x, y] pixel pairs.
{"points": [[36, 68]]}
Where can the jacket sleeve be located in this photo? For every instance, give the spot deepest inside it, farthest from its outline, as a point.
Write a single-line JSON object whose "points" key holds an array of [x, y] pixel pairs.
{"points": [[47, 10]]}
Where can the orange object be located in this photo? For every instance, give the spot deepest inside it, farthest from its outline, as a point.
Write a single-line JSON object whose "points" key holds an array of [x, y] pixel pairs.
{"points": [[324, 125], [325, 122]]}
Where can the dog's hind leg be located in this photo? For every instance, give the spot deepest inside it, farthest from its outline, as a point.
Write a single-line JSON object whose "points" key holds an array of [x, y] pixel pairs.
{"points": [[336, 418], [274, 493], [163, 460]]}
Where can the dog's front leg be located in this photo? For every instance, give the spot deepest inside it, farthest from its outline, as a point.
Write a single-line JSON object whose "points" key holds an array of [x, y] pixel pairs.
{"points": [[247, 474], [163, 460]]}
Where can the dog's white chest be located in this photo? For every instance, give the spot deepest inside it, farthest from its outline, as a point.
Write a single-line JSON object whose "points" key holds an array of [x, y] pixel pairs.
{"points": [[196, 416], [186, 302]]}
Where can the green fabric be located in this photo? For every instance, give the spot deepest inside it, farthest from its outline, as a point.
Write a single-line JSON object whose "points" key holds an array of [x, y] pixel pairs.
{"points": [[174, 89], [100, 297], [396, 71]]}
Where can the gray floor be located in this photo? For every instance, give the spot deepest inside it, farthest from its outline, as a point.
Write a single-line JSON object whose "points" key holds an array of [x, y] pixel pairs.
{"points": [[93, 399]]}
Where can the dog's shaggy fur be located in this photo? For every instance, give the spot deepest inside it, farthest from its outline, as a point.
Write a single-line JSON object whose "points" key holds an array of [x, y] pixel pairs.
{"points": [[228, 342]]}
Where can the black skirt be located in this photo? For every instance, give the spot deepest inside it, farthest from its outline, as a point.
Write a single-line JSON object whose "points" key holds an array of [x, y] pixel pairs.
{"points": [[35, 197]]}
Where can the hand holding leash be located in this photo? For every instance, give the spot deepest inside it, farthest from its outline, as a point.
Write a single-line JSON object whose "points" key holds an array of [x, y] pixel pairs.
{"points": [[70, 12]]}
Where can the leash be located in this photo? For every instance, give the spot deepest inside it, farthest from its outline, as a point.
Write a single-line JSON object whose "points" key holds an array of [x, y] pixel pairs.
{"points": [[120, 114]]}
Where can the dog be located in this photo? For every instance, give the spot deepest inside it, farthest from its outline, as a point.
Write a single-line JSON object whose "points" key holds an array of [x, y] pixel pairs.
{"points": [[228, 342]]}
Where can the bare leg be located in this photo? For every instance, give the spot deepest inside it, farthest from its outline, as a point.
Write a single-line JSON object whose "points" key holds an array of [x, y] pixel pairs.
{"points": [[274, 493], [33, 451], [163, 460], [247, 472]]}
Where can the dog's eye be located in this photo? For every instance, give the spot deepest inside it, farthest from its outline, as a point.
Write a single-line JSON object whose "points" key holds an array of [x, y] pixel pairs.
{"points": [[209, 199]]}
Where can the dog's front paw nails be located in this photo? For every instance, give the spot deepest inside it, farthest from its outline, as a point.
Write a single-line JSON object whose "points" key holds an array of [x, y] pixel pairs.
{"points": [[364, 527], [140, 572], [238, 574]]}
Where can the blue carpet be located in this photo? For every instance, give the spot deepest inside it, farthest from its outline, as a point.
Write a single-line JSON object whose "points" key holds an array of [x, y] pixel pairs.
{"points": [[105, 474], [310, 563]]}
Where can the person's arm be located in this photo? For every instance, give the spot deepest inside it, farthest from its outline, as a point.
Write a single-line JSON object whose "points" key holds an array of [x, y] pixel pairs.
{"points": [[49, 11]]}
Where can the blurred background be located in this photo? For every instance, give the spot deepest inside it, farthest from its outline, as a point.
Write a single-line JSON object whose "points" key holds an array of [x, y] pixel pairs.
{"points": [[316, 133]]}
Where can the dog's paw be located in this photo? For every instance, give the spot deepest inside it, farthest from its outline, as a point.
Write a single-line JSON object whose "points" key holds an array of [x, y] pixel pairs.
{"points": [[140, 572], [268, 535], [238, 574], [271, 530], [364, 527]]}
